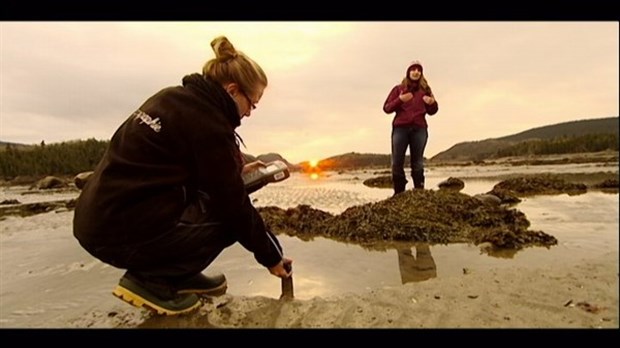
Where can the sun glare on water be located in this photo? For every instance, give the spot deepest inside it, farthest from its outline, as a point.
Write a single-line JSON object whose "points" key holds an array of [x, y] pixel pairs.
{"points": [[313, 169]]}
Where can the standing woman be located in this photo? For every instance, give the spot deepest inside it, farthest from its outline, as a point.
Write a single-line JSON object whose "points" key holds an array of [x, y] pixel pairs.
{"points": [[168, 196], [412, 100]]}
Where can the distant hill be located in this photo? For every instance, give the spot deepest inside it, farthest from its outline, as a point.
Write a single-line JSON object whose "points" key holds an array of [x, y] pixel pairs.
{"points": [[352, 160], [573, 128], [582, 136], [4, 144], [576, 134]]}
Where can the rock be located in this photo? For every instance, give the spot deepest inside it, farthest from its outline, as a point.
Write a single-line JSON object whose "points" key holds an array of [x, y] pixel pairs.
{"points": [[452, 184], [485, 247], [81, 179], [488, 198], [28, 209], [505, 196], [384, 181], [539, 184], [608, 184], [50, 182]]}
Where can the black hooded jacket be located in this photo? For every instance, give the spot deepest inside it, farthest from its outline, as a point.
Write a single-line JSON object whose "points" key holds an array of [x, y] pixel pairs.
{"points": [[180, 146]]}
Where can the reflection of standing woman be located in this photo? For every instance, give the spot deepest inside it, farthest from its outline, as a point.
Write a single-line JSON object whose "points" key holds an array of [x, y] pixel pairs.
{"points": [[416, 268], [412, 99]]}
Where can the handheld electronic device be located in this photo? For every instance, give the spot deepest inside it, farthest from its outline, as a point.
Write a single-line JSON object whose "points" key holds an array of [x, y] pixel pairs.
{"points": [[272, 172]]}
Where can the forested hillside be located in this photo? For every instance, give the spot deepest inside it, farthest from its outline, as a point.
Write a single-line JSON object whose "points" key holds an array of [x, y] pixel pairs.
{"points": [[66, 158], [570, 137], [595, 135]]}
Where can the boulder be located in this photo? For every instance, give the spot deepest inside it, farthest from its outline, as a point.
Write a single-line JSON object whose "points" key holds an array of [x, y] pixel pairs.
{"points": [[81, 179], [452, 184], [50, 182]]}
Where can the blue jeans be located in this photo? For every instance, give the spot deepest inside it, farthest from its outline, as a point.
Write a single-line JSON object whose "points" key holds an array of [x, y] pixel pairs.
{"points": [[414, 138]]}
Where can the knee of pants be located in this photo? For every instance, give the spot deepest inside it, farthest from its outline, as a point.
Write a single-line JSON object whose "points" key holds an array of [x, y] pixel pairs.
{"points": [[417, 165], [398, 169]]}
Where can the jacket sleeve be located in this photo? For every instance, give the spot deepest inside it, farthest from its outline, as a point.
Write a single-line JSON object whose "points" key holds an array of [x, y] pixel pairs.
{"points": [[218, 162], [257, 239], [393, 101], [432, 109]]}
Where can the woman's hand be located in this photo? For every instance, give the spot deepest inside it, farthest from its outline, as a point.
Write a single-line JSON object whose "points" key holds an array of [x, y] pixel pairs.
{"points": [[428, 99], [405, 97], [252, 166], [279, 270]]}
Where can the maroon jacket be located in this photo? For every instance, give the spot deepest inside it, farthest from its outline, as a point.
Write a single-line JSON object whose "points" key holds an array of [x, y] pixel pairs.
{"points": [[411, 113]]}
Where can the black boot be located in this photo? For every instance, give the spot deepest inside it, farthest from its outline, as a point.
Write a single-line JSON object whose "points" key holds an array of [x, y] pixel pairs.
{"points": [[200, 284], [154, 294], [418, 180], [400, 187], [399, 183]]}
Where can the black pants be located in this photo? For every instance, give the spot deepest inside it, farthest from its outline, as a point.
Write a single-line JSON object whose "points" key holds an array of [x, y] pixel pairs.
{"points": [[182, 252], [415, 139]]}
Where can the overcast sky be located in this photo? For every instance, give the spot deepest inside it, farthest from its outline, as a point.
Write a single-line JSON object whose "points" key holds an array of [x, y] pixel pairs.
{"points": [[327, 80]]}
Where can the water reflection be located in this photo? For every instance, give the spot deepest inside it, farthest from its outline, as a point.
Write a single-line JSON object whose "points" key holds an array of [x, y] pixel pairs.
{"points": [[491, 250], [416, 268]]}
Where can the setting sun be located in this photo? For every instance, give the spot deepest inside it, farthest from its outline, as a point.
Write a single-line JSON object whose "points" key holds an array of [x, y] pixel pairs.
{"points": [[313, 163]]}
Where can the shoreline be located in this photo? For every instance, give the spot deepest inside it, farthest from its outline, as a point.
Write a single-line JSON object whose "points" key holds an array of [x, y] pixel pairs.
{"points": [[577, 288], [608, 156], [603, 158], [582, 294]]}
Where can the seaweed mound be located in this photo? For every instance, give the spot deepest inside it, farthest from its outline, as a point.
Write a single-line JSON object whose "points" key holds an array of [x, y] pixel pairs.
{"points": [[443, 216], [544, 184], [384, 181]]}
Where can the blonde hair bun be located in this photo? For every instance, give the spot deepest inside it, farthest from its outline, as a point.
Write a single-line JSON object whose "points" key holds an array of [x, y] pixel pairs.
{"points": [[224, 49]]}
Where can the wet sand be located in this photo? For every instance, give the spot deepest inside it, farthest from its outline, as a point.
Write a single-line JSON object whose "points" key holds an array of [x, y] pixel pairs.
{"points": [[49, 282]]}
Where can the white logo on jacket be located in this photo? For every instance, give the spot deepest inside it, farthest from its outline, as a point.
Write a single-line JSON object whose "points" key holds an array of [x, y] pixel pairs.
{"points": [[148, 120]]}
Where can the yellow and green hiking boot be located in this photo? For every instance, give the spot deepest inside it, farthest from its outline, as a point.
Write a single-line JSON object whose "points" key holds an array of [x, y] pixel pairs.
{"points": [[156, 297]]}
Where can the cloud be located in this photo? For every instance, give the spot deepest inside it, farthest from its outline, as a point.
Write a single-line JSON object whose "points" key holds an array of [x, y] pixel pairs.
{"points": [[327, 80]]}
